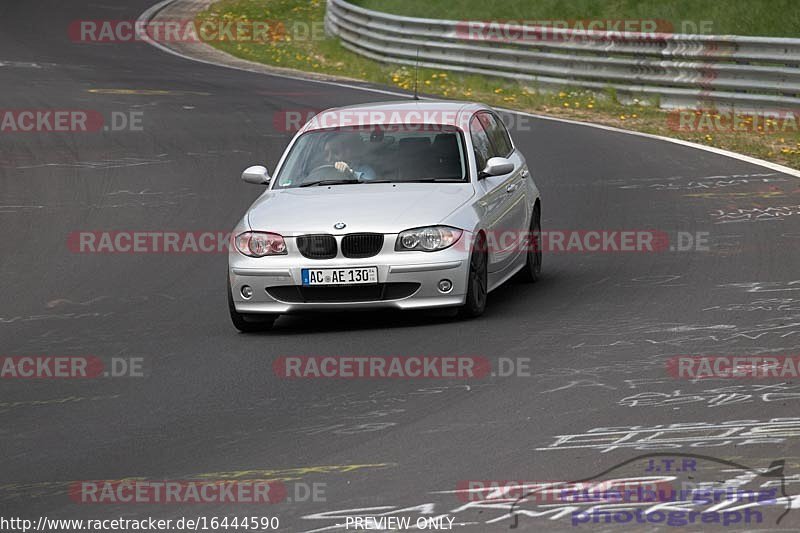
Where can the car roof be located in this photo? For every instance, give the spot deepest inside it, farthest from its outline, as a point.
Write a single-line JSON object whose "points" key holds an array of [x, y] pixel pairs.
{"points": [[444, 112]]}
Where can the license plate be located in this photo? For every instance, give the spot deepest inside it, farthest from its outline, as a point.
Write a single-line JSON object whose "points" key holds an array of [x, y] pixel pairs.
{"points": [[340, 276]]}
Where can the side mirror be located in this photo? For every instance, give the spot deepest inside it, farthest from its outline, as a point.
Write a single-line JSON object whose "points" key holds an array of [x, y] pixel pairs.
{"points": [[257, 174], [497, 166]]}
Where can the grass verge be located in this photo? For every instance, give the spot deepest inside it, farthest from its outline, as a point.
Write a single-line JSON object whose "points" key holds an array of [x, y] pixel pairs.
{"points": [[301, 44]]}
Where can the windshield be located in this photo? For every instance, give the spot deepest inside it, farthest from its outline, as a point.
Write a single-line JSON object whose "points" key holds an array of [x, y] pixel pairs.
{"points": [[375, 154]]}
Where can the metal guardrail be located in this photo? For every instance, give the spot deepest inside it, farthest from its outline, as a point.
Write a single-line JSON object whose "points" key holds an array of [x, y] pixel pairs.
{"points": [[677, 70]]}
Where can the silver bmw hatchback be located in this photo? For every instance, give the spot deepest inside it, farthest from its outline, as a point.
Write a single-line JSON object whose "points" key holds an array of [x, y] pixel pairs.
{"points": [[405, 205]]}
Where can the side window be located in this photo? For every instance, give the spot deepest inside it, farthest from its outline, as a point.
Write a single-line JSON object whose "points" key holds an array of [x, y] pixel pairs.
{"points": [[497, 133], [480, 143]]}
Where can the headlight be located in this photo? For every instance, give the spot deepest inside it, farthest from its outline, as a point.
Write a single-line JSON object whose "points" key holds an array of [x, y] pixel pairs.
{"points": [[259, 244], [428, 239]]}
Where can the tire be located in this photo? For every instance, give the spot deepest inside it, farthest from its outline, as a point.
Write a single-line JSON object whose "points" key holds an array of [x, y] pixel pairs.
{"points": [[533, 262], [249, 322], [477, 281]]}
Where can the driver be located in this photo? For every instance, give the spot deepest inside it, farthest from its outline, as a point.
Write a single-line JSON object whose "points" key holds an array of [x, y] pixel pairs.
{"points": [[343, 148]]}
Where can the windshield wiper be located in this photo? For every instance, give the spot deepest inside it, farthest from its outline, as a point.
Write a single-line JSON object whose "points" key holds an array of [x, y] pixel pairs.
{"points": [[353, 181], [439, 180], [330, 182], [342, 182]]}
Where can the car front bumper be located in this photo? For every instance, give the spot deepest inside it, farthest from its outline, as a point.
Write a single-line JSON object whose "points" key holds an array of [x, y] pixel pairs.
{"points": [[396, 270]]}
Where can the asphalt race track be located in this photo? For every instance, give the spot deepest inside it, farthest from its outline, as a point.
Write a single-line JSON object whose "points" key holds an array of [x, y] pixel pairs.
{"points": [[598, 328]]}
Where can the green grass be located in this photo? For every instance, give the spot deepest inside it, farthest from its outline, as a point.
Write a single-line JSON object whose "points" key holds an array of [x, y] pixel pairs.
{"points": [[326, 55], [775, 18]]}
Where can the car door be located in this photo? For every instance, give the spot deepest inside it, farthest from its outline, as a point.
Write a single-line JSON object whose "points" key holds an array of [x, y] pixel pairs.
{"points": [[504, 195], [501, 141]]}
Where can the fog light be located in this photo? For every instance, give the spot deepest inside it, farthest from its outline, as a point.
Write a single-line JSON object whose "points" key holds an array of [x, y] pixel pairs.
{"points": [[247, 292], [445, 285]]}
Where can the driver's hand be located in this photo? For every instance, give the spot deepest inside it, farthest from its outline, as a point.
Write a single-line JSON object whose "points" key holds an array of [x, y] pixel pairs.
{"points": [[341, 166]]}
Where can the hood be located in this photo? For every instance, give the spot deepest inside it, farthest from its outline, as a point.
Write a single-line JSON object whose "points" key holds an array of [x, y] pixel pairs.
{"points": [[378, 207]]}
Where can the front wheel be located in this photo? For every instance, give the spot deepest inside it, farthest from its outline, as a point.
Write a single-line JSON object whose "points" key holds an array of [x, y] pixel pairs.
{"points": [[249, 322], [477, 281]]}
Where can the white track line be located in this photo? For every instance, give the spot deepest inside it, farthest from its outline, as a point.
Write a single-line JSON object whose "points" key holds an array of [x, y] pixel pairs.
{"points": [[150, 12]]}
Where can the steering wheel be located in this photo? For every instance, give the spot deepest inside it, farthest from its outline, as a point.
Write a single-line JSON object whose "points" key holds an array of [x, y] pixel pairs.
{"points": [[320, 171]]}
